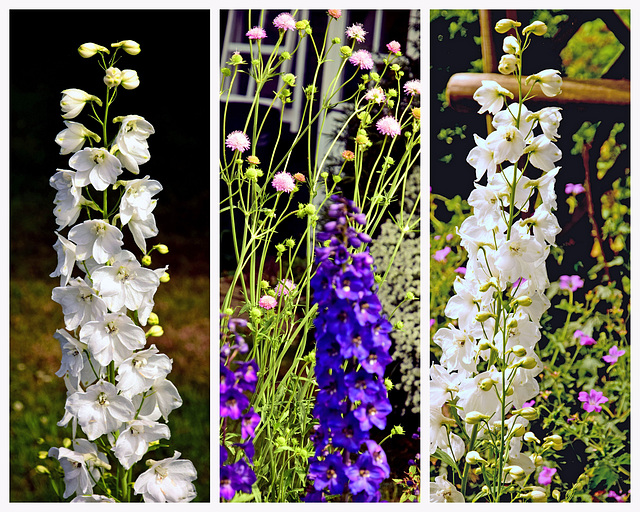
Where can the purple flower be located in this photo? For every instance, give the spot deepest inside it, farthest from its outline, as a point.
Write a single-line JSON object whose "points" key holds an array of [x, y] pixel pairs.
{"points": [[592, 400], [232, 403], [614, 354], [546, 475], [619, 498], [571, 283], [328, 473], [238, 477], [373, 413], [441, 255], [530, 403], [364, 475], [249, 423], [573, 188]]}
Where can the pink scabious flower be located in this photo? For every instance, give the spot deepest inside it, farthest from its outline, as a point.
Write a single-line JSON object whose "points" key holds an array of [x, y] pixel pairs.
{"points": [[283, 182], [441, 255], [267, 302], [362, 59], [412, 87], [571, 283], [376, 95], [389, 126], [238, 141], [394, 47], [284, 287], [546, 475], [614, 354], [284, 21], [356, 31], [592, 400], [256, 33], [334, 13], [573, 189]]}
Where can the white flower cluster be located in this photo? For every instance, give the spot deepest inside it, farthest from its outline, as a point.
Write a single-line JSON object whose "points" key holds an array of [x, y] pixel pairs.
{"points": [[488, 365], [116, 386]]}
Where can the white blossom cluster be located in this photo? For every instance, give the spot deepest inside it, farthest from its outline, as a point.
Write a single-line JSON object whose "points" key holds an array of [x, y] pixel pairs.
{"points": [[488, 365], [117, 386]]}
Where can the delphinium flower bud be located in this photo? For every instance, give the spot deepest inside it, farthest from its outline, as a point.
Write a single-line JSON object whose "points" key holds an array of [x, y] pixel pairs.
{"points": [[87, 50], [352, 343], [504, 25]]}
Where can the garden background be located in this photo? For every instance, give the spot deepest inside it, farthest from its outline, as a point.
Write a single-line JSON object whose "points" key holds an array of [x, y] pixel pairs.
{"points": [[174, 97]]}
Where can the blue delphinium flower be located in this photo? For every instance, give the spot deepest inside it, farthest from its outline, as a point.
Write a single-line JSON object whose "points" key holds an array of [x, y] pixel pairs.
{"points": [[352, 351], [237, 476]]}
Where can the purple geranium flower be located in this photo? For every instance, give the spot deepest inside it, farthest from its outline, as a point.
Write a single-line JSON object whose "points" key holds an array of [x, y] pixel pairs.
{"points": [[592, 400], [614, 354], [546, 475]]}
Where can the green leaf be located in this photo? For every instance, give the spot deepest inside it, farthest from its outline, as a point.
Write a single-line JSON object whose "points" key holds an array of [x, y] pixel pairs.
{"points": [[444, 457]]}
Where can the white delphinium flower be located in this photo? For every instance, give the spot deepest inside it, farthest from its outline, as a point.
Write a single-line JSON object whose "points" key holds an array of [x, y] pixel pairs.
{"points": [[88, 50], [478, 394], [73, 137], [517, 116], [481, 158], [440, 437], [467, 301], [125, 283], [546, 184], [545, 225], [543, 153], [73, 358], [510, 45], [486, 206], [549, 121], [143, 228], [131, 141], [138, 372], [508, 64], [81, 466], [443, 491], [129, 79], [441, 385], [516, 256], [517, 458], [133, 442], [502, 185], [549, 80], [79, 302], [66, 259], [112, 77], [138, 198], [96, 238], [458, 349], [99, 409], [74, 101], [128, 45], [491, 96], [161, 398], [95, 166], [167, 481], [92, 498], [112, 338], [68, 201], [506, 143]]}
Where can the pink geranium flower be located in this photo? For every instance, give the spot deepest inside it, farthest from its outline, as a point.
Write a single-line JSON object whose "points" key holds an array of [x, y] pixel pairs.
{"points": [[571, 283], [546, 475], [614, 354], [441, 255], [592, 400], [573, 188]]}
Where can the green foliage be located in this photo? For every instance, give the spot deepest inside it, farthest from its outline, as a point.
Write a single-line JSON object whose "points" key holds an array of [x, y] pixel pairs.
{"points": [[551, 19], [457, 19], [591, 51]]}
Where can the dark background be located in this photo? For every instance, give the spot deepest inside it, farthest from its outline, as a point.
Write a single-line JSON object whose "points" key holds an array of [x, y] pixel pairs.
{"points": [[174, 71]]}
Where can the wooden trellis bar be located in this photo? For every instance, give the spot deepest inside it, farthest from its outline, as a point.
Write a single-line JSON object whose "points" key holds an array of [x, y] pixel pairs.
{"points": [[579, 93]]}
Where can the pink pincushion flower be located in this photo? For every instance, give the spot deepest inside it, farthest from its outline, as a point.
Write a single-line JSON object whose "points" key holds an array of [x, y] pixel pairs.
{"points": [[614, 354], [256, 33], [394, 47], [441, 255], [284, 21], [238, 141], [362, 59], [412, 87], [389, 126], [592, 400], [284, 287], [283, 182], [356, 31], [267, 302], [546, 475], [376, 95], [334, 13]]}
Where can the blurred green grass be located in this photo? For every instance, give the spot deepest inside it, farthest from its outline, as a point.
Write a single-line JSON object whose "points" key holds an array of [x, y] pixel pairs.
{"points": [[37, 395]]}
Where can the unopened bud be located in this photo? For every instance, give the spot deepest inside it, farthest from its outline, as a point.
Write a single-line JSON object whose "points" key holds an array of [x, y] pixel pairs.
{"points": [[345, 51], [146, 260], [530, 437], [516, 472], [491, 282], [165, 278], [485, 384], [528, 413], [505, 24], [486, 345], [161, 248], [519, 350], [537, 460], [42, 470], [523, 301], [90, 49], [528, 363], [398, 325], [129, 46], [474, 457], [409, 296], [556, 494], [475, 417], [519, 430], [155, 331], [153, 319], [537, 28], [483, 316]]}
